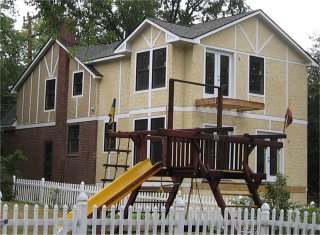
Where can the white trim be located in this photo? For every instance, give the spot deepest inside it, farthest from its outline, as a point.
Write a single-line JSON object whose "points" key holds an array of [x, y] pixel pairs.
{"points": [[22, 108], [38, 91], [246, 53], [89, 97], [287, 76], [40, 54], [246, 36], [156, 39], [265, 43], [30, 100], [119, 86], [51, 61], [55, 95], [37, 125], [55, 66], [235, 37], [84, 119], [73, 73], [46, 63], [147, 41], [83, 65], [104, 59]]}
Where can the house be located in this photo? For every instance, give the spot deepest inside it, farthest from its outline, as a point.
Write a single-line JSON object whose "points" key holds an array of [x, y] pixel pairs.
{"points": [[63, 101]]}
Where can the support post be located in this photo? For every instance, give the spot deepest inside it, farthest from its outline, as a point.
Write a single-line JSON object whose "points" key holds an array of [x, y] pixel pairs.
{"points": [[179, 214], [41, 191], [82, 208], [265, 215], [170, 104], [219, 108], [14, 179]]}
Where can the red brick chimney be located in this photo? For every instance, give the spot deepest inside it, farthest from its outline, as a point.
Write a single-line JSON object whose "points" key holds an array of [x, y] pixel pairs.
{"points": [[66, 36]]}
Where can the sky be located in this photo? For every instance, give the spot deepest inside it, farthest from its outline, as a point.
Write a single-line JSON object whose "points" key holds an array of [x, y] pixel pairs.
{"points": [[299, 19]]}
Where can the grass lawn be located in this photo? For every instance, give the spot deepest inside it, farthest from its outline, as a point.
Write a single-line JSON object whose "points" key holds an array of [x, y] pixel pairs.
{"points": [[30, 215]]}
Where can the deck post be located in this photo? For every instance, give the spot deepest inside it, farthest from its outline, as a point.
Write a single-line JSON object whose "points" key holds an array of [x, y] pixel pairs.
{"points": [[219, 107]]}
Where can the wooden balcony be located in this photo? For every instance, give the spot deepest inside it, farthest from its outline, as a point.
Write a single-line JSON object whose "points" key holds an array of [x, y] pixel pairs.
{"points": [[230, 103]]}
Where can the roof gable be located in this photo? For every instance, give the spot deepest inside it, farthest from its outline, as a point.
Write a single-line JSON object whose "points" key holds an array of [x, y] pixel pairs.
{"points": [[41, 54]]}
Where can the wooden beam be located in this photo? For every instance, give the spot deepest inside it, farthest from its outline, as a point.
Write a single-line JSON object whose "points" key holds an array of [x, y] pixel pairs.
{"points": [[229, 103]]}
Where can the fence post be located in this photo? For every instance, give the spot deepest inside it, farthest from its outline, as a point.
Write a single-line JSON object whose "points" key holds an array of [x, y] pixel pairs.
{"points": [[179, 214], [14, 178], [265, 216], [82, 204], [41, 191]]}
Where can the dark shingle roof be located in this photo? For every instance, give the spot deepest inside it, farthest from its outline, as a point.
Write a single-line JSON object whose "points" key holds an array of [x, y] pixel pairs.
{"points": [[198, 29], [93, 52], [9, 118]]}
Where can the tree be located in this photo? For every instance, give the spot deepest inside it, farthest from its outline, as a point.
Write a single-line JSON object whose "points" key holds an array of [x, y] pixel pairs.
{"points": [[313, 123], [105, 21], [12, 54]]}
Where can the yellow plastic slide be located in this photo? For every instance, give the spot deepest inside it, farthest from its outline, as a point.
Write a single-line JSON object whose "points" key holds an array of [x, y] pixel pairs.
{"points": [[123, 185]]}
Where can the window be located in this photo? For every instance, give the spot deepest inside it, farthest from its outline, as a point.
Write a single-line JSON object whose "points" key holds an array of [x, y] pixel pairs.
{"points": [[50, 94], [77, 84], [109, 143], [73, 146], [217, 72], [256, 76], [157, 73], [154, 146]]}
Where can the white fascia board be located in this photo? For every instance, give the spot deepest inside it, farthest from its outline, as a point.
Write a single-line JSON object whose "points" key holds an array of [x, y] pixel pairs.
{"points": [[79, 61], [34, 62], [104, 59]]}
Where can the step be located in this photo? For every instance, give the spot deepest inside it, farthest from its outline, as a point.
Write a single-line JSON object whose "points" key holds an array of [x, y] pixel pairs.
{"points": [[107, 180], [245, 194], [115, 165]]}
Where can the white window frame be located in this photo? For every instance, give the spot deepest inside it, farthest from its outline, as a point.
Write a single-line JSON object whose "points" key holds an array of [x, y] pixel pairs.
{"points": [[79, 71], [264, 76], [150, 70], [45, 95], [270, 178], [149, 128], [218, 53]]}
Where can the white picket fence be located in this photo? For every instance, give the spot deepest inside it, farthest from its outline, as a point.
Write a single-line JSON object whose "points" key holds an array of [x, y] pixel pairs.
{"points": [[154, 221], [51, 193]]}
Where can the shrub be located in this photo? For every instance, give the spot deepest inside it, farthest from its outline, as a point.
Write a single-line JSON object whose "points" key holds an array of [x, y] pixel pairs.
{"points": [[9, 167]]}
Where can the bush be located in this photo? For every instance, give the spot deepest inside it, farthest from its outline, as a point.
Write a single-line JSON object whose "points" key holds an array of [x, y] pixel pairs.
{"points": [[9, 167]]}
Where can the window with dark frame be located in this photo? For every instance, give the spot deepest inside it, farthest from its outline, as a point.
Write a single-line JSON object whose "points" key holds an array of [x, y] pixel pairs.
{"points": [[73, 146], [142, 71], [157, 68], [256, 75], [109, 143], [77, 83], [50, 94]]}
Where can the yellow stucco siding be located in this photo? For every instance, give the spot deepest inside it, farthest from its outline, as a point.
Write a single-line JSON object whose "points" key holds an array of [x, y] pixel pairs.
{"points": [[275, 90], [222, 39], [275, 48], [242, 78], [298, 91]]}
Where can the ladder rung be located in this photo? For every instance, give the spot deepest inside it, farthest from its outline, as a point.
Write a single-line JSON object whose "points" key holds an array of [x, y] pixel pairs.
{"points": [[236, 194], [118, 150], [115, 165]]}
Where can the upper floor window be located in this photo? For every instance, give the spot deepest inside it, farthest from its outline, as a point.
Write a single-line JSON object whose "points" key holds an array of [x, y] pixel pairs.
{"points": [[77, 84], [50, 94], [109, 142], [73, 143], [218, 72], [256, 75], [151, 65], [154, 146]]}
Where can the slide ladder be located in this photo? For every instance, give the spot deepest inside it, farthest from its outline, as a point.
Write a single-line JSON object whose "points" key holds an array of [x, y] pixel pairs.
{"points": [[113, 163]]}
